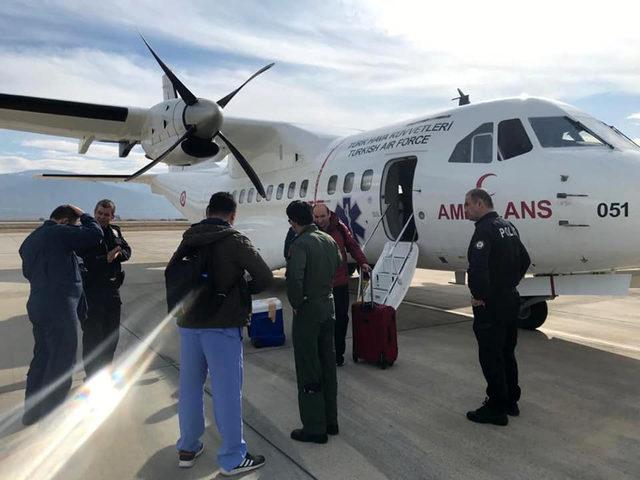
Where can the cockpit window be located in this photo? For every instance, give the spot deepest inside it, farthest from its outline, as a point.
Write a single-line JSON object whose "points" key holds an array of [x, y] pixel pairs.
{"points": [[512, 139], [555, 132], [477, 147], [625, 138]]}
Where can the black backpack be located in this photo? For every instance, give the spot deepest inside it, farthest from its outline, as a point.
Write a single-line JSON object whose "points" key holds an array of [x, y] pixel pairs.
{"points": [[188, 280], [184, 276]]}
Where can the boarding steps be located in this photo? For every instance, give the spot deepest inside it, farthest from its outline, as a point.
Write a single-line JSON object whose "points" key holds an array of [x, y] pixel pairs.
{"points": [[393, 272]]}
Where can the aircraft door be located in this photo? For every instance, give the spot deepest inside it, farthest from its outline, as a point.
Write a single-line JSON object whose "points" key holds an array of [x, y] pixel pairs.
{"points": [[396, 198]]}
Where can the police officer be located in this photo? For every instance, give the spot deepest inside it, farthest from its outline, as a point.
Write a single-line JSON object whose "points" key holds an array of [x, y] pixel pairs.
{"points": [[103, 277], [51, 266], [314, 258], [497, 262]]}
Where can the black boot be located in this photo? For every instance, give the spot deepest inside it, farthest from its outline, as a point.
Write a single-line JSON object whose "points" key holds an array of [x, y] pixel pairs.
{"points": [[487, 414], [513, 410], [301, 436], [333, 429]]}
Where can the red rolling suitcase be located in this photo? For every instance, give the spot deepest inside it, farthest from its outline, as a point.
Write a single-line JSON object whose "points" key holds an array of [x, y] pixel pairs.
{"points": [[375, 336]]}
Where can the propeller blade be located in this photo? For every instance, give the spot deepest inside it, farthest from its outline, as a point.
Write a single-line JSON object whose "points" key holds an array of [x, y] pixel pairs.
{"points": [[188, 97], [223, 101], [161, 157], [245, 166]]}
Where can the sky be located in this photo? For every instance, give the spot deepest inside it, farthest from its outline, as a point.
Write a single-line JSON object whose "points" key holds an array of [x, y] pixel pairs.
{"points": [[356, 64]]}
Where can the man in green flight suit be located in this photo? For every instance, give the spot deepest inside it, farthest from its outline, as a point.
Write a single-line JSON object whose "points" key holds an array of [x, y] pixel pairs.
{"points": [[310, 270]]}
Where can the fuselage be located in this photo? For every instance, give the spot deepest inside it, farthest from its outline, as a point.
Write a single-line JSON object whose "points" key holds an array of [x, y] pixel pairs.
{"points": [[567, 181]]}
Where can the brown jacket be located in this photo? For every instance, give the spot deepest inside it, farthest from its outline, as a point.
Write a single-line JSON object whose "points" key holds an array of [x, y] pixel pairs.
{"points": [[228, 255]]}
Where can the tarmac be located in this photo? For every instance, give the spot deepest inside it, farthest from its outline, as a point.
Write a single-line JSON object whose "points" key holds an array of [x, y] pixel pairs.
{"points": [[579, 374]]}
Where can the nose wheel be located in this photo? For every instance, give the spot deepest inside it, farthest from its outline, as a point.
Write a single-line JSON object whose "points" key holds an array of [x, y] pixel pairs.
{"points": [[532, 316]]}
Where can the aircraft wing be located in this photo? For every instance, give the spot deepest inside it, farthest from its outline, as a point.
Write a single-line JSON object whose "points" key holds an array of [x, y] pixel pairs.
{"points": [[270, 145], [85, 121]]}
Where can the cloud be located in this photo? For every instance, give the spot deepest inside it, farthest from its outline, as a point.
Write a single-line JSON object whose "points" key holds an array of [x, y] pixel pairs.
{"points": [[51, 154], [344, 63]]}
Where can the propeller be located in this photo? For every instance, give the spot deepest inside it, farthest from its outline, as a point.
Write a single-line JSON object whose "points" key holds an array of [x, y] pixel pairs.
{"points": [[224, 100], [148, 166], [245, 165], [462, 99], [203, 119]]}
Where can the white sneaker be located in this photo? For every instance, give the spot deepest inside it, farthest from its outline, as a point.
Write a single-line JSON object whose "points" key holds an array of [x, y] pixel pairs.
{"points": [[187, 459], [249, 463]]}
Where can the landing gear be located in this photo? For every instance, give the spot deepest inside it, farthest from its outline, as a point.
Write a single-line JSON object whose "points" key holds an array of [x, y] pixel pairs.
{"points": [[532, 315]]}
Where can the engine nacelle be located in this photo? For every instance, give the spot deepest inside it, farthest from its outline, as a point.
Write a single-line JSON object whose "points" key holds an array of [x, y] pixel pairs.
{"points": [[167, 121]]}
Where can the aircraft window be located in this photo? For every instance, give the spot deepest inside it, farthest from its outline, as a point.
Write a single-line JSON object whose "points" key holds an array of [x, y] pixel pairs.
{"points": [[242, 194], [252, 192], [280, 191], [554, 132], [331, 186], [269, 192], [512, 139], [235, 195], [480, 147], [258, 197], [365, 183], [347, 186], [303, 188], [292, 190]]}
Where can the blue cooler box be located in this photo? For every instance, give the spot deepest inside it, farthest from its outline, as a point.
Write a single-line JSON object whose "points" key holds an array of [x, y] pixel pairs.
{"points": [[266, 328]]}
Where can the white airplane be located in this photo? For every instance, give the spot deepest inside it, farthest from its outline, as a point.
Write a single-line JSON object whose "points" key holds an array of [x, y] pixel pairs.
{"points": [[568, 181]]}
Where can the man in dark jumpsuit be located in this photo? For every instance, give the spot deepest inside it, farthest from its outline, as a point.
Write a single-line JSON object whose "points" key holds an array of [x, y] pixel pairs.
{"points": [[497, 262], [51, 266], [314, 258], [102, 279]]}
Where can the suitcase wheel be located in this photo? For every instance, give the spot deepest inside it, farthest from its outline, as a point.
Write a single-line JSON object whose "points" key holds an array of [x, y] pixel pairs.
{"points": [[383, 362]]}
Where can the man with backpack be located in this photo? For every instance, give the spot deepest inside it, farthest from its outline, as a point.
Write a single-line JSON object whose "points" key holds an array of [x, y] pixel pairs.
{"points": [[210, 323]]}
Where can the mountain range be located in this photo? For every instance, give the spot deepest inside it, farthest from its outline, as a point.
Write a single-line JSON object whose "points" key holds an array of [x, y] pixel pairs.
{"points": [[23, 197]]}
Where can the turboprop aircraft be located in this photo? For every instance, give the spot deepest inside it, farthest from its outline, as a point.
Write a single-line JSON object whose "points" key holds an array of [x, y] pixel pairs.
{"points": [[566, 180]]}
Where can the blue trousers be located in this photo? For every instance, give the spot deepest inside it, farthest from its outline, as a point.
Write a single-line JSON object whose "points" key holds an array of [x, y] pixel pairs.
{"points": [[218, 351], [54, 355]]}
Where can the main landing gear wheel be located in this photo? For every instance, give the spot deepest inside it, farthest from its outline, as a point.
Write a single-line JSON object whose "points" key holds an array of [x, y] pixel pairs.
{"points": [[532, 316]]}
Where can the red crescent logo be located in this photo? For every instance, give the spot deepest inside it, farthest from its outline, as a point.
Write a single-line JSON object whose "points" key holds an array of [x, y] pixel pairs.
{"points": [[483, 178], [183, 198]]}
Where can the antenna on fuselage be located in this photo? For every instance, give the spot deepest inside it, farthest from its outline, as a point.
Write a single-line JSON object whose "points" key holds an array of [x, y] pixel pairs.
{"points": [[462, 99]]}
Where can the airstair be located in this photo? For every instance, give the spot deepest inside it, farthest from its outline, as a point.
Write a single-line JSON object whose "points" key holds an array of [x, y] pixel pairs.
{"points": [[394, 270]]}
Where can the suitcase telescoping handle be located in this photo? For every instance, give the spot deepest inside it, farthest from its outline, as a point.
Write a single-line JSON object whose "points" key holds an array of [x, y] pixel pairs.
{"points": [[362, 286]]}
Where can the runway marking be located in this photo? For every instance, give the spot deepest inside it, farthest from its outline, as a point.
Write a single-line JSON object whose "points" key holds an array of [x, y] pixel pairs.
{"points": [[595, 341], [438, 309], [548, 331]]}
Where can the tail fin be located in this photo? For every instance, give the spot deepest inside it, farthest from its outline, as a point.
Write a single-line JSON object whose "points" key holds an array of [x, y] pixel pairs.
{"points": [[168, 92]]}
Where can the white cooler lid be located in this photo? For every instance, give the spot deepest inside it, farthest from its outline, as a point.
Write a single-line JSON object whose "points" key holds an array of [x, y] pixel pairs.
{"points": [[262, 305]]}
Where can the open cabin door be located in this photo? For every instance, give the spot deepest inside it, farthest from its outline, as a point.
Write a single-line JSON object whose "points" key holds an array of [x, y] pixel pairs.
{"points": [[396, 199]]}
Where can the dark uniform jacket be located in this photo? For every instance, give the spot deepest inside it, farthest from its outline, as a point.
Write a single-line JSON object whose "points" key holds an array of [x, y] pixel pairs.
{"points": [[314, 259], [497, 258], [51, 266], [228, 254], [100, 275]]}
